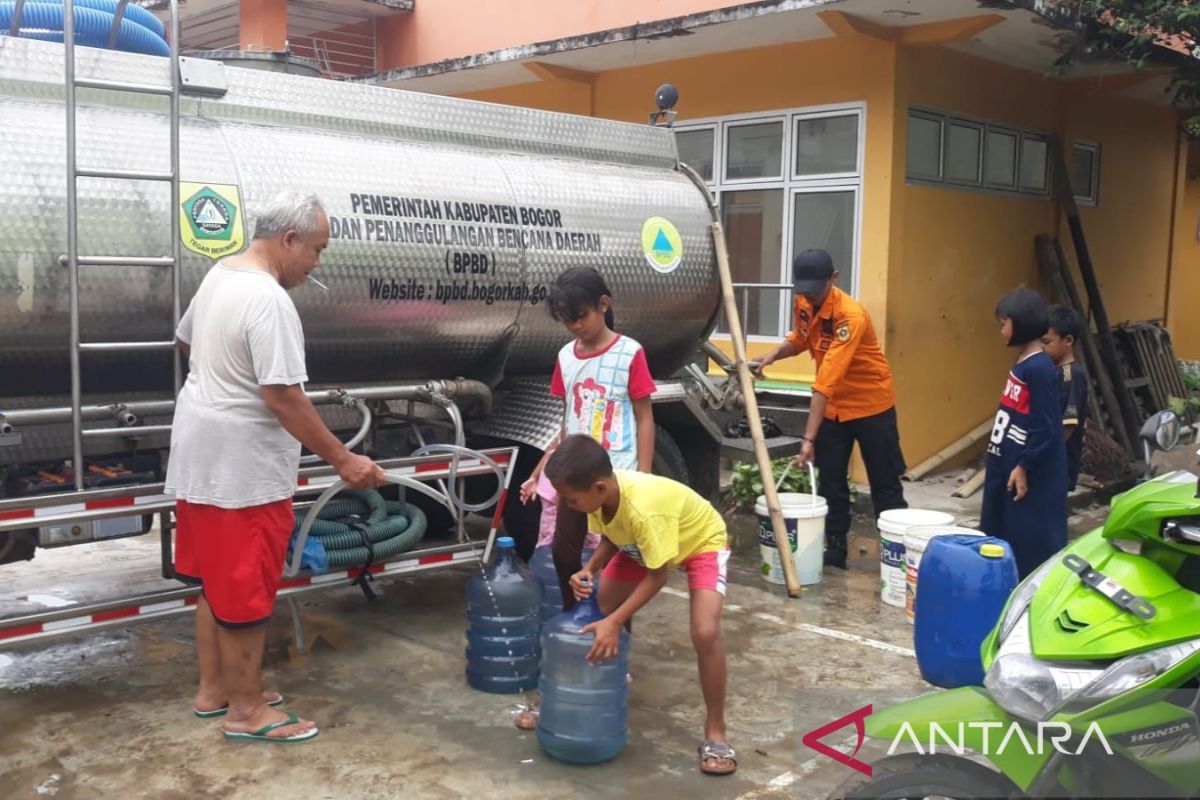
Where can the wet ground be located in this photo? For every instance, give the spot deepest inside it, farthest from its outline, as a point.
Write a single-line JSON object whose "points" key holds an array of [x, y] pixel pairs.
{"points": [[107, 714]]}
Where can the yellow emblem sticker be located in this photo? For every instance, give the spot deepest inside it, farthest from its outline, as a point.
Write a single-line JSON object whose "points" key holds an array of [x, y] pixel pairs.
{"points": [[843, 332], [661, 244], [210, 218]]}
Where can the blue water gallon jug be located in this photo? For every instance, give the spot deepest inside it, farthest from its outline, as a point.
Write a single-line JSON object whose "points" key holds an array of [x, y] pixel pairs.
{"points": [[542, 565], [504, 606], [965, 582], [584, 707]]}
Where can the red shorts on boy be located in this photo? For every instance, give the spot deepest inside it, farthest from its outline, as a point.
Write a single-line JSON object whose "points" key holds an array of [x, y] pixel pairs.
{"points": [[704, 570], [235, 555]]}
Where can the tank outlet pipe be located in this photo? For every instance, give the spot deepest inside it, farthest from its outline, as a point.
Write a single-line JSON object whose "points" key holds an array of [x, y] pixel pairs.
{"points": [[348, 401], [746, 380]]}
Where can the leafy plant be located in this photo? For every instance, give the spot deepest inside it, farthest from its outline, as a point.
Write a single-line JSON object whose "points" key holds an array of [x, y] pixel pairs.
{"points": [[1188, 408], [746, 486], [1138, 31]]}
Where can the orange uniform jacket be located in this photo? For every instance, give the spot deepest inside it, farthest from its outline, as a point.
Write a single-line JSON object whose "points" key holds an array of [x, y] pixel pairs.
{"points": [[851, 368]]}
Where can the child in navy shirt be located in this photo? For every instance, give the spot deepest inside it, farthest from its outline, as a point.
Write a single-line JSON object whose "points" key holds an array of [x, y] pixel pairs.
{"points": [[1066, 326], [1025, 490]]}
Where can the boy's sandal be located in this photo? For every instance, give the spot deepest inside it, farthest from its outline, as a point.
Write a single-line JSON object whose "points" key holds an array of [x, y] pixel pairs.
{"points": [[261, 735], [713, 750]]}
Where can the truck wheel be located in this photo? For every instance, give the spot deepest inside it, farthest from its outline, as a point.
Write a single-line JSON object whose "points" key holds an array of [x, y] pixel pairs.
{"points": [[17, 546], [914, 775], [668, 458]]}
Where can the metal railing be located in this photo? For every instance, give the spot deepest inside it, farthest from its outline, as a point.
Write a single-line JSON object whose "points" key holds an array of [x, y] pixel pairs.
{"points": [[742, 292]]}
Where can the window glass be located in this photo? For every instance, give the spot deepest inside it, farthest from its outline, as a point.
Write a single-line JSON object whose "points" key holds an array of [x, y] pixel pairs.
{"points": [[754, 151], [753, 222], [924, 147], [964, 146], [696, 150], [826, 145], [1000, 159], [825, 220]]}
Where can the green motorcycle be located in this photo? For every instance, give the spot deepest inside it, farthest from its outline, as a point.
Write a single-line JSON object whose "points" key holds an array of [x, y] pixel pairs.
{"points": [[1093, 672]]}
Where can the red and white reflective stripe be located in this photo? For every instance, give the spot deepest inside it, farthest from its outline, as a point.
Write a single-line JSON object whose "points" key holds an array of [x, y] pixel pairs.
{"points": [[172, 607], [85, 620], [91, 505], [390, 568]]}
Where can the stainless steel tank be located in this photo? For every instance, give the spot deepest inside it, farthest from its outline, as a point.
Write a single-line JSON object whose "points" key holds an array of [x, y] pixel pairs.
{"points": [[450, 218]]}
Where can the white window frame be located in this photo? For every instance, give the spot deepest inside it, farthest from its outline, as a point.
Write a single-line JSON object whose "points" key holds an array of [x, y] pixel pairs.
{"points": [[859, 152], [723, 142], [1092, 198], [788, 181]]}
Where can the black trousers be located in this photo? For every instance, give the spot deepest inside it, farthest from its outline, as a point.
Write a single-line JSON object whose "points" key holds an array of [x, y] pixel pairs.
{"points": [[879, 442]]}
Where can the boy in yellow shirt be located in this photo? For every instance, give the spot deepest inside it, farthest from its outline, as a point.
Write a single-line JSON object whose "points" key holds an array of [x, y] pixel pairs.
{"points": [[650, 525]]}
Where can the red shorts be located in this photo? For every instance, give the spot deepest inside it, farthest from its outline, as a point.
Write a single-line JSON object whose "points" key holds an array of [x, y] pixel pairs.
{"points": [[704, 570], [235, 555]]}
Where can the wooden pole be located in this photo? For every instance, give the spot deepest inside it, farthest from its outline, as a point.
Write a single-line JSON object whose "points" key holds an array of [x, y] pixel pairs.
{"points": [[733, 320], [1054, 267], [972, 486], [948, 452], [1104, 338]]}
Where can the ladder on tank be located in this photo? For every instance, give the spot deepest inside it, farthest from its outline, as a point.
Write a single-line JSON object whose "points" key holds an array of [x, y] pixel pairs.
{"points": [[74, 261]]}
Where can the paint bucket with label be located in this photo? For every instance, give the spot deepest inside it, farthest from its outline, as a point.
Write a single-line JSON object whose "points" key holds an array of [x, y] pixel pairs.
{"points": [[804, 518], [892, 527], [915, 541]]}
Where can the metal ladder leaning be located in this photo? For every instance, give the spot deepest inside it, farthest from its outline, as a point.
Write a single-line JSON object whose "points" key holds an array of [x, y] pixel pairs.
{"points": [[73, 260]]}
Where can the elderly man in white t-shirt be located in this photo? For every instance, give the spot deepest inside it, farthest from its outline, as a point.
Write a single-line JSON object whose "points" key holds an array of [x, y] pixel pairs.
{"points": [[235, 450]]}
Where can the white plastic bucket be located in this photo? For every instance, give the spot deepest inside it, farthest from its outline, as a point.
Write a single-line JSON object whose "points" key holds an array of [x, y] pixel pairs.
{"points": [[892, 527], [915, 542], [804, 518]]}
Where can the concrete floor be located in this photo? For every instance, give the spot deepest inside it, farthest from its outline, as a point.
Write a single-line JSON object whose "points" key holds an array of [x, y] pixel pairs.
{"points": [[107, 714]]}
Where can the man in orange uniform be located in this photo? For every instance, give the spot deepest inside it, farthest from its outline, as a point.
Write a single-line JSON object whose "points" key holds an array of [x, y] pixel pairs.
{"points": [[852, 400]]}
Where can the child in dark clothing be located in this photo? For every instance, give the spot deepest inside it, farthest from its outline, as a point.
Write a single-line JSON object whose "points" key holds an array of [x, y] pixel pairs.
{"points": [[1065, 328], [1025, 490]]}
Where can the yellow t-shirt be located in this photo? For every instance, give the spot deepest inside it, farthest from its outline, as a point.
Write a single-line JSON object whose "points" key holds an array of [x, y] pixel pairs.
{"points": [[660, 522]]}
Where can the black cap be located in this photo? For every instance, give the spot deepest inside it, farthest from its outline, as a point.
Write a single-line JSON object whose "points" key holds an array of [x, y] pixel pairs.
{"points": [[811, 270]]}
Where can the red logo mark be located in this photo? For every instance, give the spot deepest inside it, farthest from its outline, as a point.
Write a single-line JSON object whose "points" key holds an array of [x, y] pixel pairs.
{"points": [[1016, 395], [813, 739]]}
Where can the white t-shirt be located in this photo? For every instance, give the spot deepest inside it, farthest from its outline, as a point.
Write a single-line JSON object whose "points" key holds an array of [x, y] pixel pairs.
{"points": [[227, 448]]}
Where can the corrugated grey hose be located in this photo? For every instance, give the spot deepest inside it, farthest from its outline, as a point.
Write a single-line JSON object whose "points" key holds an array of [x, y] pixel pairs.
{"points": [[345, 525]]}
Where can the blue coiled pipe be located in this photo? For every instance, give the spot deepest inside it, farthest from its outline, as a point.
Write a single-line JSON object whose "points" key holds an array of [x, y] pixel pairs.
{"points": [[93, 26]]}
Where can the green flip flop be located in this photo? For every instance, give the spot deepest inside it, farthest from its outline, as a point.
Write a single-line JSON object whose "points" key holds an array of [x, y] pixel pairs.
{"points": [[260, 735], [223, 710]]}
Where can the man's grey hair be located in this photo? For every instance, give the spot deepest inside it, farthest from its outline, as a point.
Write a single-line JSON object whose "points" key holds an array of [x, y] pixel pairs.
{"points": [[288, 211]]}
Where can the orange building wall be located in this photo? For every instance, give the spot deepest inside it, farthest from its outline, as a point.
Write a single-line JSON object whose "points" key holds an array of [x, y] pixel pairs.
{"points": [[1129, 231], [1183, 318], [955, 253], [428, 34]]}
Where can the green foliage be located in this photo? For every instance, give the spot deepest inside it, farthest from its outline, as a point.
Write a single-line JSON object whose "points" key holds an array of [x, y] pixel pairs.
{"points": [[1188, 408], [746, 485], [1135, 31]]}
